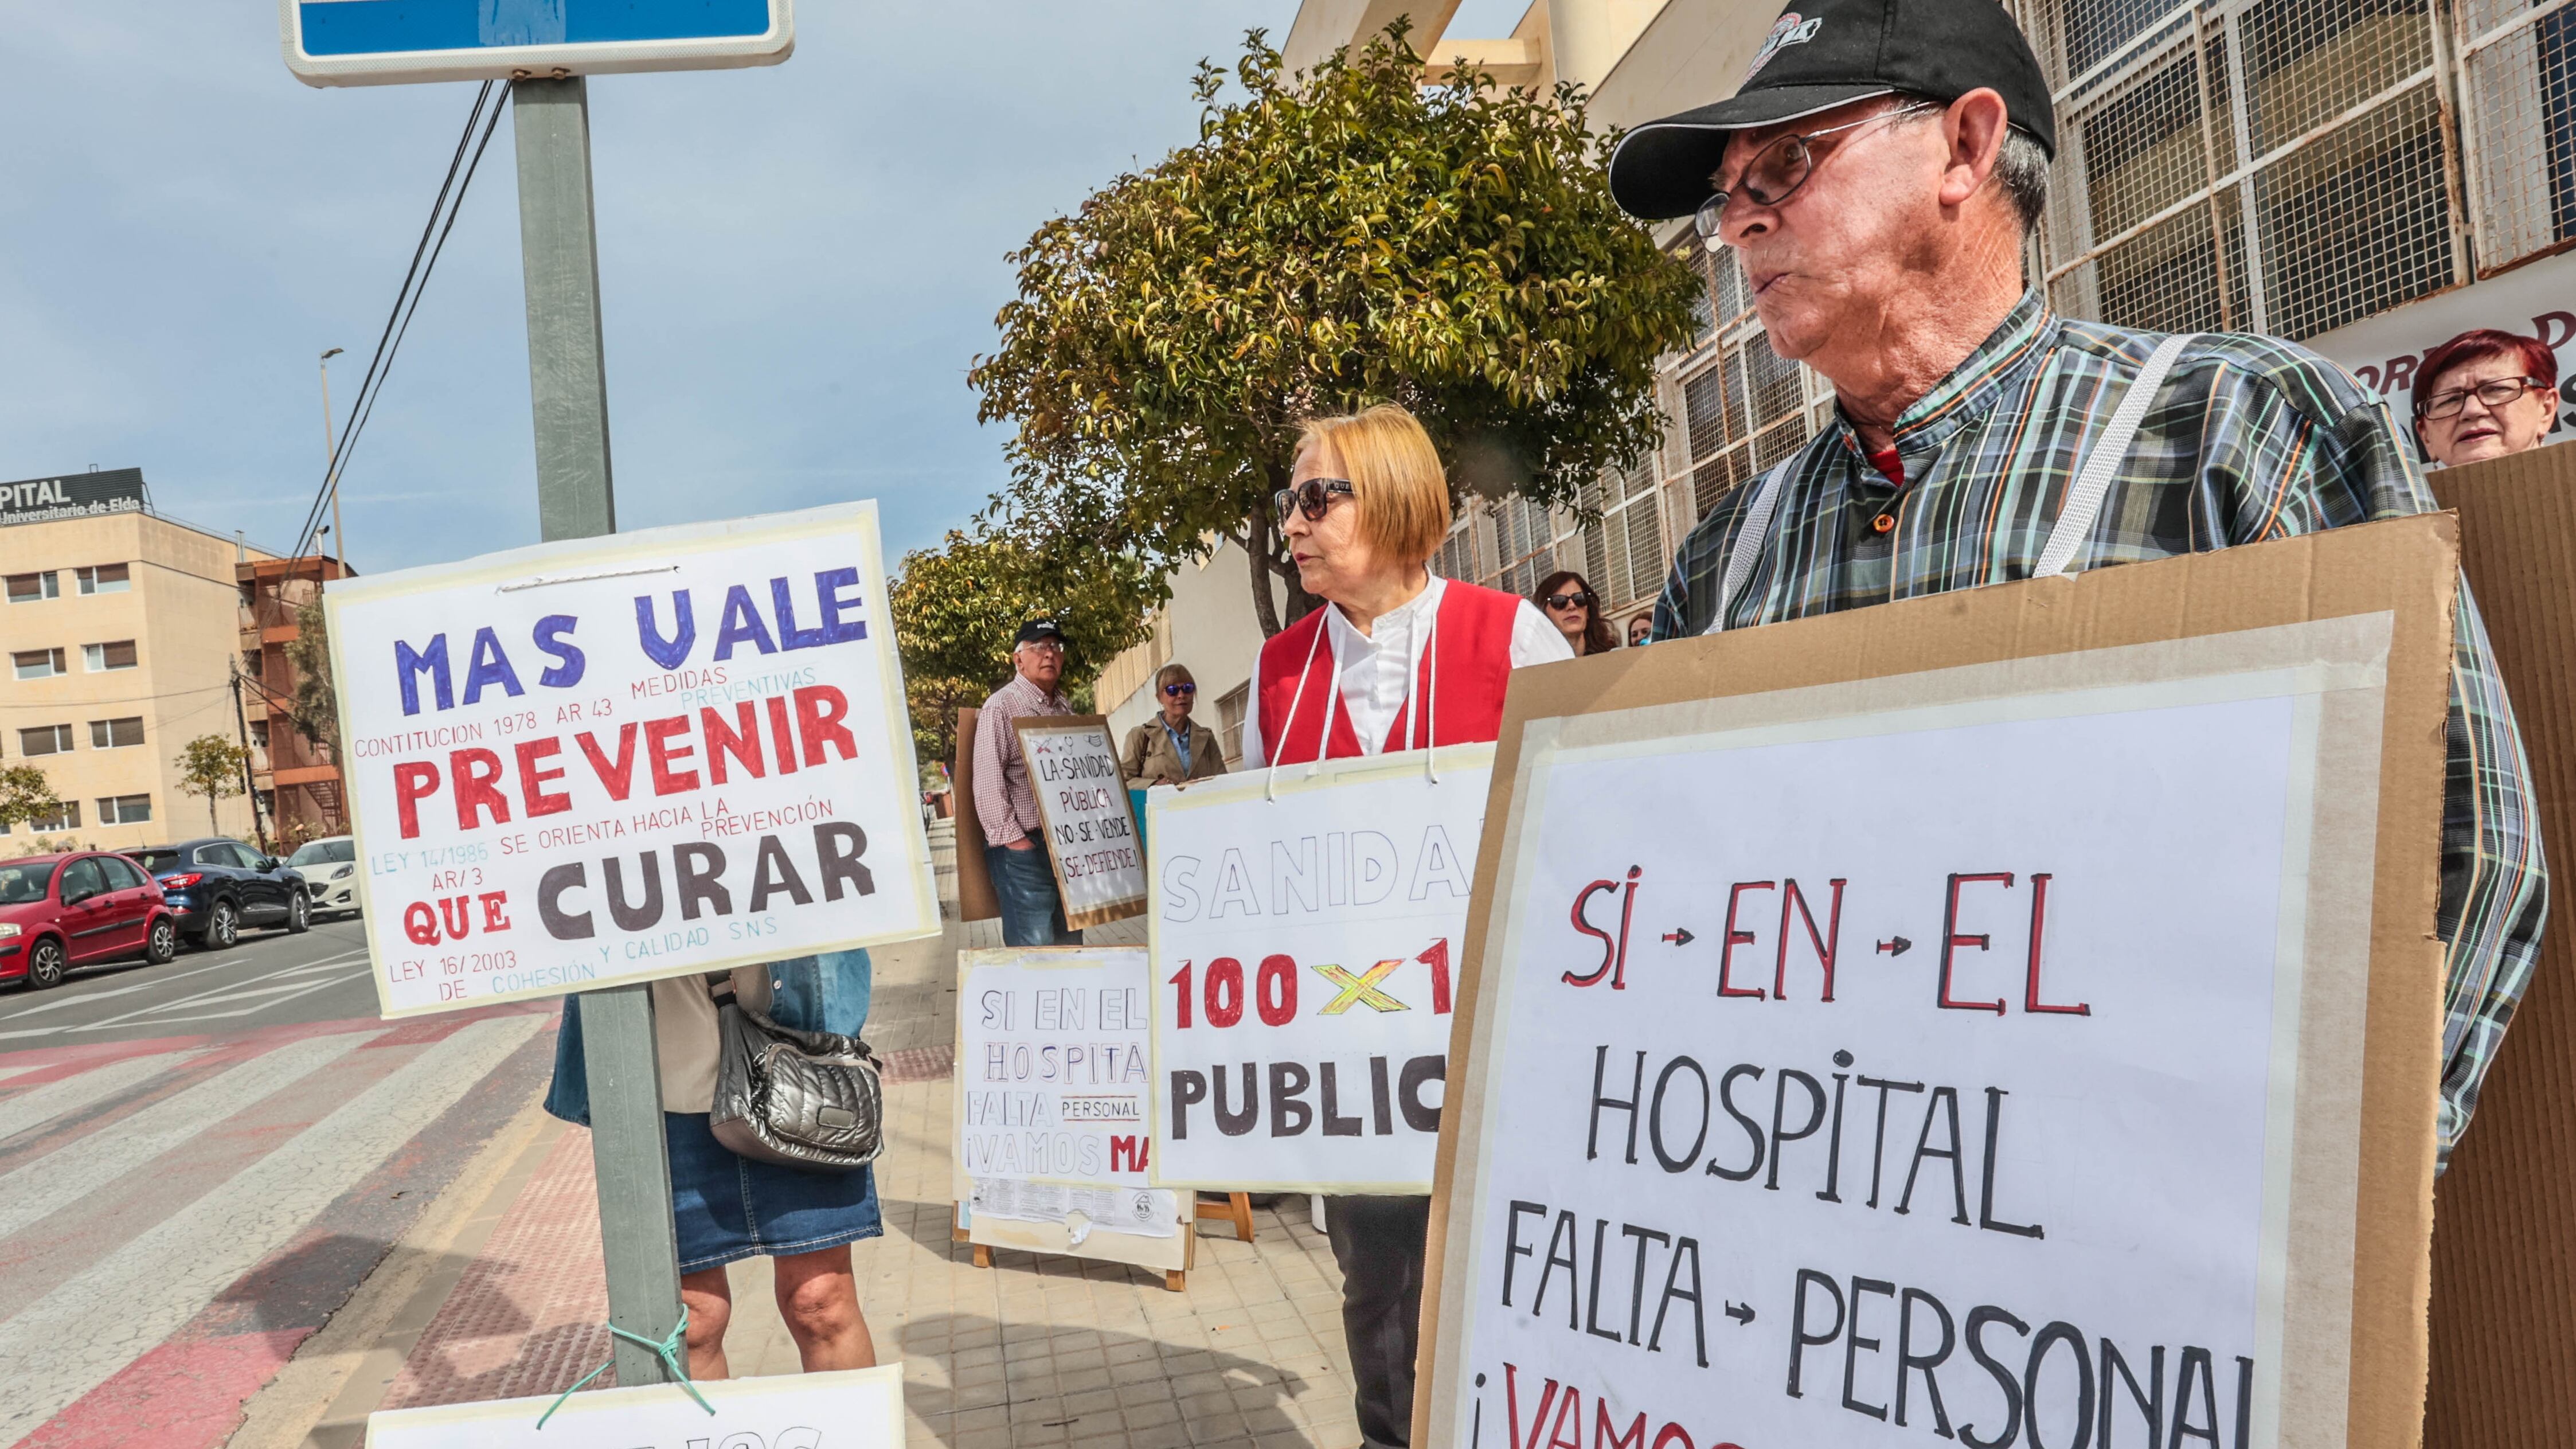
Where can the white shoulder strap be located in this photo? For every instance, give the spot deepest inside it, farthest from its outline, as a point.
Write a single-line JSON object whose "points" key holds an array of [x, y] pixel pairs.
{"points": [[2084, 495], [1749, 540]]}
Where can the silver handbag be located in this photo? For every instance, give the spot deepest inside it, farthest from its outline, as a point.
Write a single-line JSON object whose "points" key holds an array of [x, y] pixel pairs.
{"points": [[804, 1099]]}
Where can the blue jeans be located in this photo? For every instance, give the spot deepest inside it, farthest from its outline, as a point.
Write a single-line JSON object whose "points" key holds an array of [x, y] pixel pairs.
{"points": [[1032, 913]]}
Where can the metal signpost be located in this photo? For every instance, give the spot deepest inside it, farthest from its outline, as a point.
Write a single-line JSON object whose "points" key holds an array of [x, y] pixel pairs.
{"points": [[544, 48]]}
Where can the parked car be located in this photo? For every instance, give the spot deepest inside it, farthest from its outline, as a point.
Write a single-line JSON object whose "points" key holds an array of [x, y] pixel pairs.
{"points": [[329, 869], [79, 909], [218, 885]]}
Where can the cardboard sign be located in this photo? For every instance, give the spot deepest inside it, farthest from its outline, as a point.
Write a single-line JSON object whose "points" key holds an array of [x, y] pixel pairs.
{"points": [[1091, 833], [1302, 957], [1052, 1097], [851, 1409], [2004, 1015], [615, 759], [2504, 1294], [976, 899]]}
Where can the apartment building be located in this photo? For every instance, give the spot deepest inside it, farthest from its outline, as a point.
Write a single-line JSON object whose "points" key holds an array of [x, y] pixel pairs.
{"points": [[120, 632]]}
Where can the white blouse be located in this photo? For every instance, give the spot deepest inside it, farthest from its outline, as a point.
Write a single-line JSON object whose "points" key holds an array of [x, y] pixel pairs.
{"points": [[1377, 669]]}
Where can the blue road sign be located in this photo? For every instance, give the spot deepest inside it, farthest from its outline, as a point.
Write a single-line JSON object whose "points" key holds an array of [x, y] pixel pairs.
{"points": [[379, 42]]}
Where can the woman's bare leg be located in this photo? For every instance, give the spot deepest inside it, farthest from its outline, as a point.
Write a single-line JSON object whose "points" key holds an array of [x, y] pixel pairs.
{"points": [[709, 1298], [820, 1301]]}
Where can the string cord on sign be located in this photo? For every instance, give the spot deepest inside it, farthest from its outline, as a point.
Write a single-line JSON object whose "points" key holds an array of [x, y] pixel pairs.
{"points": [[489, 101], [1287, 737]]}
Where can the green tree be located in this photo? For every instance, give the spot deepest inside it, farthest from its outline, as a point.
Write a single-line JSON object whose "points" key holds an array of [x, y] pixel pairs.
{"points": [[25, 795], [1335, 238], [957, 608], [212, 766], [316, 707]]}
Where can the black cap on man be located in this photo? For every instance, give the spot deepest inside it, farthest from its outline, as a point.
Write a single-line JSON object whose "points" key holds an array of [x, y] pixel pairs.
{"points": [[1832, 53]]}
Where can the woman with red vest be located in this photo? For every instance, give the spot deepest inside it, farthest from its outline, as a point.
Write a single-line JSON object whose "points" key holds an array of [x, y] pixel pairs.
{"points": [[1398, 659]]}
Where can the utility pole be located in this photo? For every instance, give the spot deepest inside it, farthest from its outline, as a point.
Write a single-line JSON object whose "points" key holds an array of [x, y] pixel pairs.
{"points": [[568, 384], [331, 466], [250, 782]]}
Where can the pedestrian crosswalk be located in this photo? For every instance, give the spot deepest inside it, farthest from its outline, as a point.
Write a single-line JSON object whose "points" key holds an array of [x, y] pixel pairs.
{"points": [[177, 1215]]}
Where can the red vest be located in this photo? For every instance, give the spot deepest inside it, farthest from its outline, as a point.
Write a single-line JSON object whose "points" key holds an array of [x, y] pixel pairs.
{"points": [[1470, 656]]}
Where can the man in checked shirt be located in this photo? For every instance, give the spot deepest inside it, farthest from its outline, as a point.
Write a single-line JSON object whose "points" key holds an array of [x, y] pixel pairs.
{"points": [[1877, 174]]}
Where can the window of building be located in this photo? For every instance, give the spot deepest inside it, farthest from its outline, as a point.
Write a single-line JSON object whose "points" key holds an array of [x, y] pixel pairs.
{"points": [[104, 579], [1230, 707], [29, 588], [118, 655], [66, 816], [45, 740], [115, 734], [124, 809], [259, 733], [38, 663]]}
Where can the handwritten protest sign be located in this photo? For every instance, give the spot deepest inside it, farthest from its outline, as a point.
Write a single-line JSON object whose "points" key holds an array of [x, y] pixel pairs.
{"points": [[1051, 1101], [2003, 1018], [628, 757], [1091, 832], [850, 1409], [1302, 952]]}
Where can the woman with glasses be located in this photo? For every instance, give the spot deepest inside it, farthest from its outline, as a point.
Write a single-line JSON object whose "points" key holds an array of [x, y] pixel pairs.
{"points": [[1168, 749], [1576, 612], [2485, 394], [1396, 659]]}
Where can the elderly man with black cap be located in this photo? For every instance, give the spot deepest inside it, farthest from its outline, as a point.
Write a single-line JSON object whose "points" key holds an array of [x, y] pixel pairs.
{"points": [[1877, 174], [1015, 852]]}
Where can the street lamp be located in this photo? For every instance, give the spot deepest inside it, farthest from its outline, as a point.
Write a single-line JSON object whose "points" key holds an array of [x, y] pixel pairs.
{"points": [[331, 461]]}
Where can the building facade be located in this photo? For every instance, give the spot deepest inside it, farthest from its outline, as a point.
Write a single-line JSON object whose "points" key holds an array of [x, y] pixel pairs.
{"points": [[121, 635], [296, 776], [2368, 177]]}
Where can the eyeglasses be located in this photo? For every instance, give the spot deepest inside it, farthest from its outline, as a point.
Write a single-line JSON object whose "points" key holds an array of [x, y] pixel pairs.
{"points": [[2494, 393], [1567, 601], [1045, 646], [1780, 168], [1180, 691], [1310, 498]]}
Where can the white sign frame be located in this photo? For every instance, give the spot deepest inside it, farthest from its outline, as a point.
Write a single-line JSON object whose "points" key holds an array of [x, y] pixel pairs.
{"points": [[614, 567], [541, 61], [1121, 891], [665, 1414]]}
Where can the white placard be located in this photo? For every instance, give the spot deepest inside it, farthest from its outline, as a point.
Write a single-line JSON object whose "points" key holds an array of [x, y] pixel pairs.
{"points": [[1302, 957], [1053, 1090], [1869, 1078], [852, 1409], [1091, 833], [629, 757]]}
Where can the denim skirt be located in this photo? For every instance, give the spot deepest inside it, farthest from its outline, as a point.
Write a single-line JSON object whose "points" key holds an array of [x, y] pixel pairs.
{"points": [[728, 1207]]}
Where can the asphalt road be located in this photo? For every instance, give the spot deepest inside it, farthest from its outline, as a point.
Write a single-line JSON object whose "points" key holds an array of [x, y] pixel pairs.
{"points": [[270, 979]]}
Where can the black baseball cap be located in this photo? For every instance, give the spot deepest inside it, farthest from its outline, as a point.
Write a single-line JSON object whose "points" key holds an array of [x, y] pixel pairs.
{"points": [[1036, 629], [1830, 53]]}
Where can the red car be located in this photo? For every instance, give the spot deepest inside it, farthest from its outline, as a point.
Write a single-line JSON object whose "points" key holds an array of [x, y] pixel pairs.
{"points": [[79, 909]]}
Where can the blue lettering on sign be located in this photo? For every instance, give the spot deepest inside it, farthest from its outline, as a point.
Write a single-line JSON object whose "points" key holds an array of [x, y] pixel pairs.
{"points": [[368, 27]]}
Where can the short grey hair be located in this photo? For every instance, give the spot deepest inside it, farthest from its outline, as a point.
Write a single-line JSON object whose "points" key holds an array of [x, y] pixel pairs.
{"points": [[2021, 165]]}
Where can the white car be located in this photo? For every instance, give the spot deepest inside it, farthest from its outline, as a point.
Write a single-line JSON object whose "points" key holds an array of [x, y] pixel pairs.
{"points": [[329, 869]]}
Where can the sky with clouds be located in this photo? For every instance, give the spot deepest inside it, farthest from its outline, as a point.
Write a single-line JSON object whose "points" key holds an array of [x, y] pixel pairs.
{"points": [[797, 264]]}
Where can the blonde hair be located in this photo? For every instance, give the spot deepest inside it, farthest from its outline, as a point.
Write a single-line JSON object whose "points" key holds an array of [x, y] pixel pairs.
{"points": [[1395, 475]]}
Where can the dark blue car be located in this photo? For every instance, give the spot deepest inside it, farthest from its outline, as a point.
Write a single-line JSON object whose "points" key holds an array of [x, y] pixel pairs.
{"points": [[217, 885]]}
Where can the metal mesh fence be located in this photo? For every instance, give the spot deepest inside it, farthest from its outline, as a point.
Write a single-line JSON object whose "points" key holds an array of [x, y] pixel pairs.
{"points": [[2518, 126]]}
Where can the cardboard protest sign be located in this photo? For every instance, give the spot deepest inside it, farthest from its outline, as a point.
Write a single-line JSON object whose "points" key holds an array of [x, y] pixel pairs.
{"points": [[2504, 1291], [850, 1409], [1091, 833], [1302, 950], [976, 899], [1051, 1099], [2005, 1016], [629, 757]]}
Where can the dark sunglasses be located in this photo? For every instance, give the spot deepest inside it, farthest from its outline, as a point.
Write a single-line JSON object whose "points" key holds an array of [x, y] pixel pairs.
{"points": [[1567, 601], [1179, 691], [1311, 498]]}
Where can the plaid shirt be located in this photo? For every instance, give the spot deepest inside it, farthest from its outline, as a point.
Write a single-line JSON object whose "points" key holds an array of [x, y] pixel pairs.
{"points": [[1004, 803], [2250, 438]]}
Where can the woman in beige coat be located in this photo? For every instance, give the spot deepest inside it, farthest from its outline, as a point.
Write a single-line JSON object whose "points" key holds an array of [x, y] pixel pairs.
{"points": [[1168, 749]]}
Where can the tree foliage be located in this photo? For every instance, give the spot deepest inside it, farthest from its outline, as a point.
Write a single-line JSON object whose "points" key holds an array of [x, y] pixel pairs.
{"points": [[315, 710], [212, 766], [1336, 238], [25, 795], [957, 608]]}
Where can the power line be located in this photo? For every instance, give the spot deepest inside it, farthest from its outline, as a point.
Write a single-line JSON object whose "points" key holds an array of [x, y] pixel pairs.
{"points": [[489, 101]]}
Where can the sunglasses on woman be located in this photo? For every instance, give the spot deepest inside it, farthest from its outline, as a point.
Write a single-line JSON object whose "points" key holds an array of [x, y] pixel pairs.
{"points": [[1180, 691], [1310, 498], [1780, 168], [1568, 601]]}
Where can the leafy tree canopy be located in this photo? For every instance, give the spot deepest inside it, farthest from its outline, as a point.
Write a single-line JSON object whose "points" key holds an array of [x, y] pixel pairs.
{"points": [[957, 608], [212, 766], [1336, 238], [25, 795]]}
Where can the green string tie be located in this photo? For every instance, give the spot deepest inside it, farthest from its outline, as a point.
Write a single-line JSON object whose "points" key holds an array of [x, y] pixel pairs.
{"points": [[668, 1351]]}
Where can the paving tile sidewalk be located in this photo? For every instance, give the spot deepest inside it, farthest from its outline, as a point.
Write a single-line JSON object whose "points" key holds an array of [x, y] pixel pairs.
{"points": [[1033, 1351]]}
